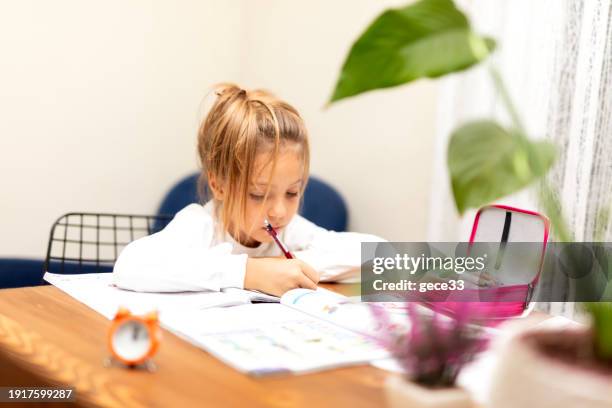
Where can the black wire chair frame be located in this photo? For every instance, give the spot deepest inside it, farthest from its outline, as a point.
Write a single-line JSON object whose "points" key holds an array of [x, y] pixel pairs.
{"points": [[81, 242]]}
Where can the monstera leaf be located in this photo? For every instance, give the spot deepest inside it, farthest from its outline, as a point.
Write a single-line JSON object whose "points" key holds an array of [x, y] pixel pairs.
{"points": [[429, 38], [487, 162]]}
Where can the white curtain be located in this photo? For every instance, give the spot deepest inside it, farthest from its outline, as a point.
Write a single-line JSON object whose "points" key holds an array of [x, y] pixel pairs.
{"points": [[555, 57]]}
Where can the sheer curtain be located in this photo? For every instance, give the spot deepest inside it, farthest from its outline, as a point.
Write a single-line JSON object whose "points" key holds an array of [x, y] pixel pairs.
{"points": [[555, 57]]}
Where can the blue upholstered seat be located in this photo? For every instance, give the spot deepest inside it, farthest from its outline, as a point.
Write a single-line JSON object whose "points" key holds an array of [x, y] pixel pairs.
{"points": [[18, 272]]}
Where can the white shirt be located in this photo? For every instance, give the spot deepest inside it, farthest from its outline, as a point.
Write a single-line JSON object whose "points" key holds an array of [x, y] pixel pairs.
{"points": [[192, 254]]}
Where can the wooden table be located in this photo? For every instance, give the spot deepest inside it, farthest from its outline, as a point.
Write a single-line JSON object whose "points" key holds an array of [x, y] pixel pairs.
{"points": [[48, 338]]}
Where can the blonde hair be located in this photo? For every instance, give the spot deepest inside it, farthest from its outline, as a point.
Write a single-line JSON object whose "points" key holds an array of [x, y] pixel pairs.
{"points": [[240, 125]]}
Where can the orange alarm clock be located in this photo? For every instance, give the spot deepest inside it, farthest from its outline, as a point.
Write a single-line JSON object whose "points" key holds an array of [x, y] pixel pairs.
{"points": [[133, 340]]}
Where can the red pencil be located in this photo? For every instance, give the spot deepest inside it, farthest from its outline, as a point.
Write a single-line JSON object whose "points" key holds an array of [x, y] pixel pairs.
{"points": [[274, 236]]}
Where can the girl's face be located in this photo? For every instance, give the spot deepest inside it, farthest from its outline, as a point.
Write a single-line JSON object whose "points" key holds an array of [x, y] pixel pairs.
{"points": [[283, 197]]}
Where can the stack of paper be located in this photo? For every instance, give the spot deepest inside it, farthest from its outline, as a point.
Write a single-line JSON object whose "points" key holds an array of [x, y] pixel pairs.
{"points": [[97, 291]]}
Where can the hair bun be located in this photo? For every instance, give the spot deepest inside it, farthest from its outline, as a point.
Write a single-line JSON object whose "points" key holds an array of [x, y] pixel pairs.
{"points": [[229, 89]]}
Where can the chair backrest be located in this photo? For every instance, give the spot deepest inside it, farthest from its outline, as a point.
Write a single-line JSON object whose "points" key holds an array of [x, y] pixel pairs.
{"points": [[183, 193], [322, 204], [91, 242]]}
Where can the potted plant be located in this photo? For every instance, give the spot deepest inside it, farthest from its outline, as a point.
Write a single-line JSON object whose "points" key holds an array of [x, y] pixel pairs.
{"points": [[431, 353], [429, 39], [553, 368]]}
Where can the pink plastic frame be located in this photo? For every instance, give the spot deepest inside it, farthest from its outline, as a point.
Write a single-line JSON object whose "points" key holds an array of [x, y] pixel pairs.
{"points": [[544, 219]]}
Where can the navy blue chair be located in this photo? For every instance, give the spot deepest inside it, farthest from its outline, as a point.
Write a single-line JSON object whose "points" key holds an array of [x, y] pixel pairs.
{"points": [[18, 272], [322, 204]]}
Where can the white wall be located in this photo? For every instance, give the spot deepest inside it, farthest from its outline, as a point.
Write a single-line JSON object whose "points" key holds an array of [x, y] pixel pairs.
{"points": [[99, 104], [100, 101]]}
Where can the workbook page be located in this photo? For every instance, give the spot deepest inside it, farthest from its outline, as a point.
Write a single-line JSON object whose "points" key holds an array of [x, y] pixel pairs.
{"points": [[348, 313], [270, 338]]}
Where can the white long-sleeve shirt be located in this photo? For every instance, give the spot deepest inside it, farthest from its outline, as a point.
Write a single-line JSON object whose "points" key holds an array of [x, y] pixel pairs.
{"points": [[192, 254]]}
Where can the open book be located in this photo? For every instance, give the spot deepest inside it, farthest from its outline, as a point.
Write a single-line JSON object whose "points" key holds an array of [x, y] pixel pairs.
{"points": [[306, 331]]}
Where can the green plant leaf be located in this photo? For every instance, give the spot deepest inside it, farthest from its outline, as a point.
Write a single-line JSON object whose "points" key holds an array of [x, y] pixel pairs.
{"points": [[487, 162], [429, 38], [601, 315]]}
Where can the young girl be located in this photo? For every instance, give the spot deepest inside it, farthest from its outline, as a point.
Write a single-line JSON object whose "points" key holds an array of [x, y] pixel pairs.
{"points": [[253, 148]]}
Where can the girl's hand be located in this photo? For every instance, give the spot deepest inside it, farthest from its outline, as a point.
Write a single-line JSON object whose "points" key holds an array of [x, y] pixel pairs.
{"points": [[277, 276]]}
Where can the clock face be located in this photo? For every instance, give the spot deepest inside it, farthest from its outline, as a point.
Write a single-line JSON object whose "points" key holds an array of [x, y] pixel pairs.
{"points": [[131, 340]]}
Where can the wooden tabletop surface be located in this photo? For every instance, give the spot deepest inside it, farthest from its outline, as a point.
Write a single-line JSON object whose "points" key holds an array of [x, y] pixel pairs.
{"points": [[48, 338]]}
